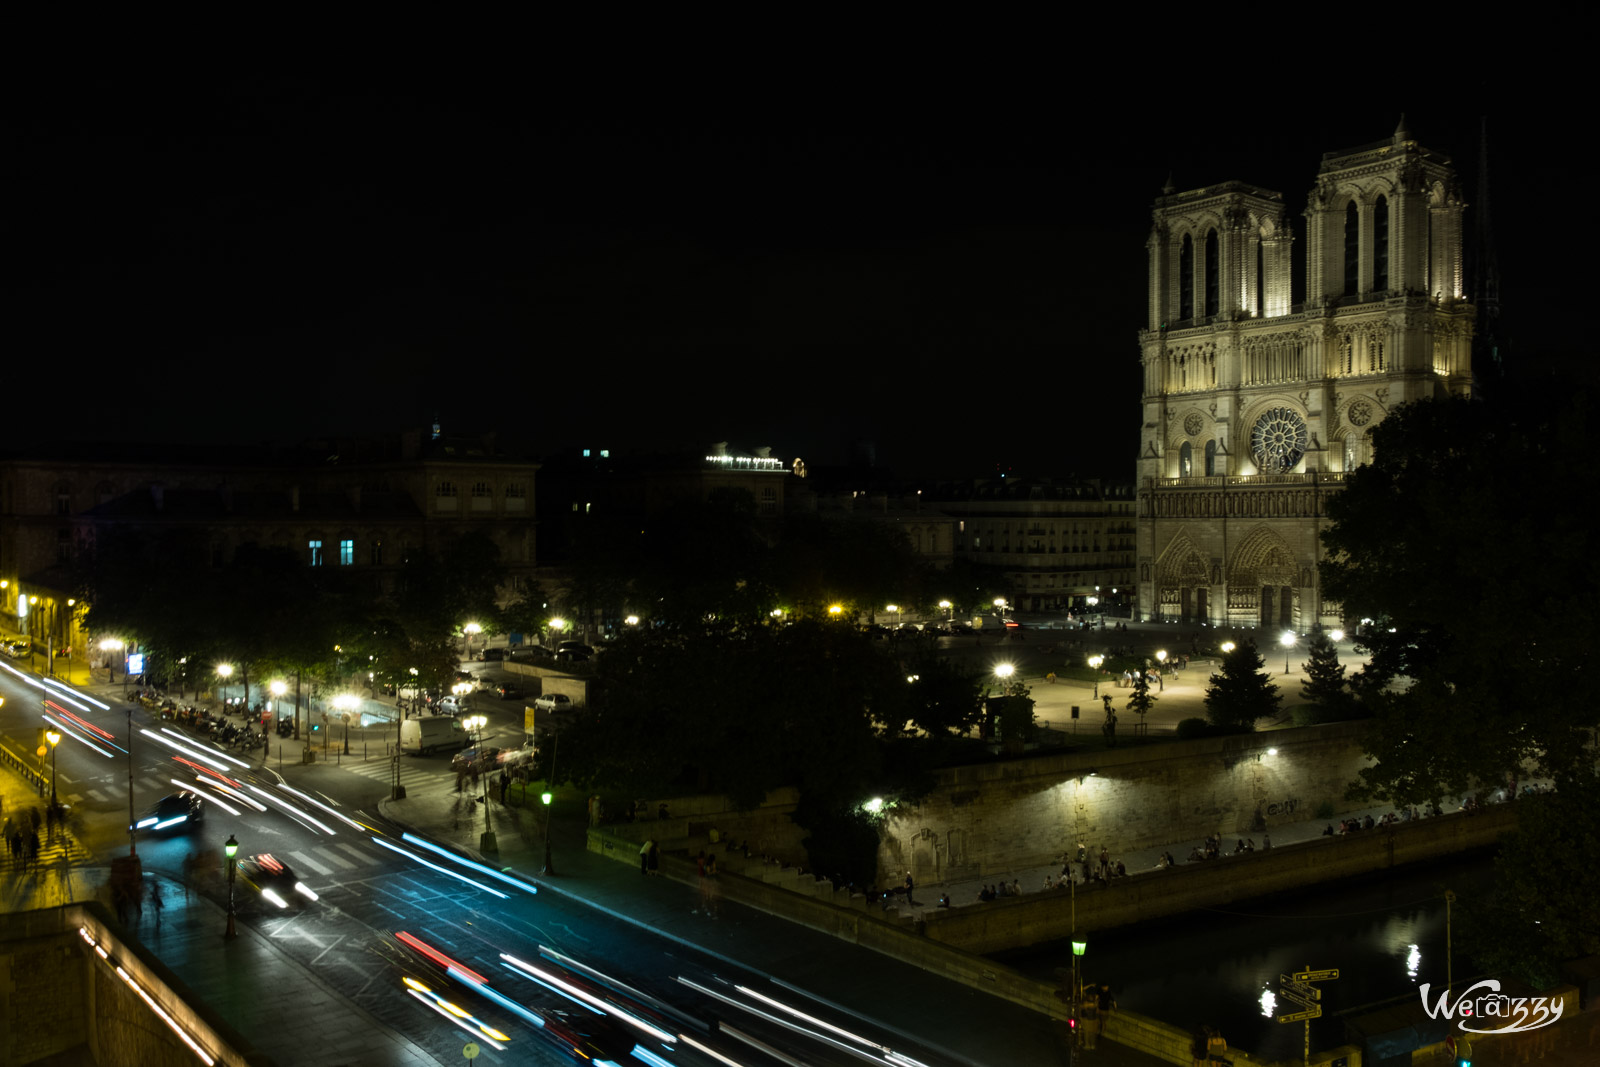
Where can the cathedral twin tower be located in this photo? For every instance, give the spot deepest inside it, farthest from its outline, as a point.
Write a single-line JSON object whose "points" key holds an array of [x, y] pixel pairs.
{"points": [[1255, 407]]}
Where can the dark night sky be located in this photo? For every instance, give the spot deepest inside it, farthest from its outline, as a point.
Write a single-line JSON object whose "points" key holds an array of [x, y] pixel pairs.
{"points": [[955, 277]]}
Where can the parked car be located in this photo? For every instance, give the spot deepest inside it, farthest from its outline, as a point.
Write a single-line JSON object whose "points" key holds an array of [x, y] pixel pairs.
{"points": [[492, 654], [173, 813], [508, 691], [274, 880], [554, 702], [574, 646]]}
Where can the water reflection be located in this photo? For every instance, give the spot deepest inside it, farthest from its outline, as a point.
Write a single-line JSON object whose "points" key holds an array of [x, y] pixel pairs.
{"points": [[1221, 967]]}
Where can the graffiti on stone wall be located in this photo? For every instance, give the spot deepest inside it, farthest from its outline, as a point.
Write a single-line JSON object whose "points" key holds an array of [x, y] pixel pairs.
{"points": [[1284, 807]]}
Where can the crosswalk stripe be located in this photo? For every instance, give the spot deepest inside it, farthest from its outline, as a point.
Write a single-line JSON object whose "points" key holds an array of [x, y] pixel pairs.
{"points": [[95, 794], [337, 861], [354, 851], [306, 861]]}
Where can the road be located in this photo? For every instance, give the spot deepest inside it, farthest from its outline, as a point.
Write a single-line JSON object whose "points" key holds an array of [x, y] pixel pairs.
{"points": [[322, 821]]}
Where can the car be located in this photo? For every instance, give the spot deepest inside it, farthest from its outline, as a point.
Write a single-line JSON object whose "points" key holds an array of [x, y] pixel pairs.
{"points": [[574, 646], [19, 649], [173, 813], [274, 880], [450, 706], [590, 1037], [508, 691], [484, 759], [571, 655], [491, 654], [553, 702]]}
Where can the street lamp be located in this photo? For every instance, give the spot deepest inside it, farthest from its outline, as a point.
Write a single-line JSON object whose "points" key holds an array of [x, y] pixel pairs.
{"points": [[224, 671], [1227, 646], [55, 739], [231, 848], [1336, 636], [949, 610], [108, 646], [1287, 641], [487, 842], [1094, 664], [467, 633], [1161, 657], [346, 703]]}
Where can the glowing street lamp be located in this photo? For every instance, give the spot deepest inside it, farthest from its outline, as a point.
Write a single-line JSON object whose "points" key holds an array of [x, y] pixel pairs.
{"points": [[1161, 657], [1336, 636], [949, 610], [108, 646], [1094, 664], [224, 671], [232, 849], [468, 631], [55, 739], [346, 703], [1287, 641], [1227, 646]]}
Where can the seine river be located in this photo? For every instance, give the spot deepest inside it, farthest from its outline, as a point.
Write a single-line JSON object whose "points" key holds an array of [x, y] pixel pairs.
{"points": [[1384, 933]]}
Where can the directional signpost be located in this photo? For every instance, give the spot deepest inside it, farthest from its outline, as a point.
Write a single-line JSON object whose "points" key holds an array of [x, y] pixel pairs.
{"points": [[1297, 989]]}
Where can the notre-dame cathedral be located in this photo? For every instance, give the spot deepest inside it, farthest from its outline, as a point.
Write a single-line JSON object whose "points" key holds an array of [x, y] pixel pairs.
{"points": [[1255, 407]]}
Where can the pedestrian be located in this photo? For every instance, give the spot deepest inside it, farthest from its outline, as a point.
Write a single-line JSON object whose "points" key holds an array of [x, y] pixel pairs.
{"points": [[505, 784], [909, 886], [655, 858], [1104, 1002], [15, 841], [461, 778], [644, 856], [32, 846], [155, 900]]}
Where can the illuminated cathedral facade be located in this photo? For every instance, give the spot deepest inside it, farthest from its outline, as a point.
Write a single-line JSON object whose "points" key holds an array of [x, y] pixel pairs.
{"points": [[1256, 407]]}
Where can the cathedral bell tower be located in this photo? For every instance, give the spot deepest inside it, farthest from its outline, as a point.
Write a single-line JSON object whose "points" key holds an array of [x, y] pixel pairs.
{"points": [[1255, 407]]}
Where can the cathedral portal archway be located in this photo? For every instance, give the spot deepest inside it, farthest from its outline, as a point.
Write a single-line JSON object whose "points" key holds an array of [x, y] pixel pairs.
{"points": [[1182, 580], [1263, 582]]}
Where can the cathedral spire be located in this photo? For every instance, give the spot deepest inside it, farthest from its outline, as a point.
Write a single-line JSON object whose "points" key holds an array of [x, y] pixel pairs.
{"points": [[1400, 131]]}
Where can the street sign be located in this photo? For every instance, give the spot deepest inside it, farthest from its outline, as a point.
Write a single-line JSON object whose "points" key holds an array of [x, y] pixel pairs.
{"points": [[1311, 1013], [1299, 998], [1317, 976], [1292, 988]]}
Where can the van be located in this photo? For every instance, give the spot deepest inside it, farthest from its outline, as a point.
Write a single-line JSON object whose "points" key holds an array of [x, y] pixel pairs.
{"points": [[491, 654], [430, 733]]}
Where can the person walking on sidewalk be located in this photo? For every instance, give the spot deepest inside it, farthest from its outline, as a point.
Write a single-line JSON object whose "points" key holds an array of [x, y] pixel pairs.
{"points": [[644, 856], [156, 902]]}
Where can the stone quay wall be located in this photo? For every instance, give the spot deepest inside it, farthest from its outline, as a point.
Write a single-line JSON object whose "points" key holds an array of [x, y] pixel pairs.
{"points": [[988, 819]]}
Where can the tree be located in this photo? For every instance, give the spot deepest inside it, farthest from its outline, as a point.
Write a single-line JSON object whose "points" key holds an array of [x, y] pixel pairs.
{"points": [[1140, 701], [1472, 674], [1324, 685], [1545, 904], [1242, 693]]}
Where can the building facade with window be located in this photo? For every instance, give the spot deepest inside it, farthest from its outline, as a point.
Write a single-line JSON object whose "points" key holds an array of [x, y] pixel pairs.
{"points": [[1060, 543], [364, 506], [1257, 405]]}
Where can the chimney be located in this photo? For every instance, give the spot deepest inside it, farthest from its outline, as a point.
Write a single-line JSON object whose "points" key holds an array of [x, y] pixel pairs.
{"points": [[294, 498], [158, 494]]}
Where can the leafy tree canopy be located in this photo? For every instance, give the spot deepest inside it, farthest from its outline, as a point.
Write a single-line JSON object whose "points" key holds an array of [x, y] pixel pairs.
{"points": [[1466, 541]]}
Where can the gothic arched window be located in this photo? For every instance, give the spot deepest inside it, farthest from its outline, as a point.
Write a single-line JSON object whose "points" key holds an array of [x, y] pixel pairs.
{"points": [[1213, 269], [1211, 458], [1186, 279], [1352, 249], [1185, 460], [1380, 245]]}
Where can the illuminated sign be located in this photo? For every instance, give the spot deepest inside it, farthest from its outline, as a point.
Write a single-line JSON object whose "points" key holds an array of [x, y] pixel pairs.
{"points": [[136, 663]]}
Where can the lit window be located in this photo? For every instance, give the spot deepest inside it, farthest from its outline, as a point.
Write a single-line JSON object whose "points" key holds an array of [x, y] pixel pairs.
{"points": [[347, 553], [316, 553]]}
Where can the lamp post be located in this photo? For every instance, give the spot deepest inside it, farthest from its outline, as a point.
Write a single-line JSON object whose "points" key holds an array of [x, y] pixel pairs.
{"points": [[1287, 641], [232, 849], [54, 738], [109, 646], [487, 842], [346, 702], [224, 671], [1161, 672], [1094, 665], [467, 633], [548, 796], [949, 610], [1227, 646]]}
